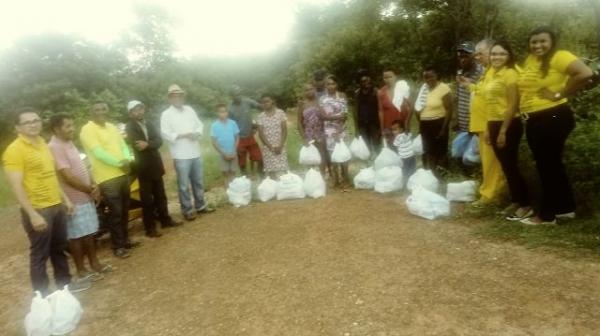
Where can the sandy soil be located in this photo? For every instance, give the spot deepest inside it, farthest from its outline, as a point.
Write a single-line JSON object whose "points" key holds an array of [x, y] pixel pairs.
{"points": [[351, 264]]}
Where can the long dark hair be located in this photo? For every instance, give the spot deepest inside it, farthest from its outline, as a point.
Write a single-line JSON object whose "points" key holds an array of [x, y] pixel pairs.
{"points": [[510, 63], [548, 56]]}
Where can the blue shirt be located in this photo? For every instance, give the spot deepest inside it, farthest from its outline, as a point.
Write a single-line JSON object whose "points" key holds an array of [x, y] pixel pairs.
{"points": [[224, 133]]}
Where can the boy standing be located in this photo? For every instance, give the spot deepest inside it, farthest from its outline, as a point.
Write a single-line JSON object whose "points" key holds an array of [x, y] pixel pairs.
{"points": [[225, 137], [403, 144]]}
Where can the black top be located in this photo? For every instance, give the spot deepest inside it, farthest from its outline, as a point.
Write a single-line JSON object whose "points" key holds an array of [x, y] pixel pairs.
{"points": [[148, 163], [367, 109]]}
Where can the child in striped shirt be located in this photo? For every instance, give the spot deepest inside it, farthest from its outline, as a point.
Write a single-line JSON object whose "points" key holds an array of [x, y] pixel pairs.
{"points": [[403, 144]]}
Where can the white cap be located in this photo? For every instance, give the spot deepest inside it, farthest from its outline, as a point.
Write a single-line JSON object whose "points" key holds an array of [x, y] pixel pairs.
{"points": [[132, 104]]}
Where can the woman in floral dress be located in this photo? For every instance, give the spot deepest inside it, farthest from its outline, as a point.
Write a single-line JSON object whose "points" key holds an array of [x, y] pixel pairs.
{"points": [[334, 113], [272, 130], [310, 123]]}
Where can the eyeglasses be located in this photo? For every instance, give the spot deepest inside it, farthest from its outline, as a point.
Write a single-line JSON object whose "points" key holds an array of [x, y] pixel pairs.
{"points": [[31, 122]]}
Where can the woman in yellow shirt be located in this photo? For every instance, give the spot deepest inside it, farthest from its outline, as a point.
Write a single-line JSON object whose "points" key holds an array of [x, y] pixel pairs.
{"points": [[504, 129], [433, 121], [547, 78]]}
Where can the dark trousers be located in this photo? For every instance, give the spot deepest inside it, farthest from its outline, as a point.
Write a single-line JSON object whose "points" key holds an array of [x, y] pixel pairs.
{"points": [[116, 195], [50, 243], [508, 156], [435, 147], [409, 166], [154, 199], [547, 132], [371, 133]]}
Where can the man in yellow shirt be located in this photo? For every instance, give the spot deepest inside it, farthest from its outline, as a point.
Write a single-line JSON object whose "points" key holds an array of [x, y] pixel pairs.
{"points": [[110, 159], [30, 170]]}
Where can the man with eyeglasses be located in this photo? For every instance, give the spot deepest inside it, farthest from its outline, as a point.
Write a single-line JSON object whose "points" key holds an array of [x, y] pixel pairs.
{"points": [[110, 159], [29, 166]]}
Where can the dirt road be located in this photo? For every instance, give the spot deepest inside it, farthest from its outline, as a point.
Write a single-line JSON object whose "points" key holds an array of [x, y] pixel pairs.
{"points": [[350, 264]]}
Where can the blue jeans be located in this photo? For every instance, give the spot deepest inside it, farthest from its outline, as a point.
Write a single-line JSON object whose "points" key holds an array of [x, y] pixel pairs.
{"points": [[189, 172]]}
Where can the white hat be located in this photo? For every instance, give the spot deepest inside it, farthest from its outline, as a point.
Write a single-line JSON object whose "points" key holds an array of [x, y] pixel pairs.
{"points": [[132, 104], [174, 88]]}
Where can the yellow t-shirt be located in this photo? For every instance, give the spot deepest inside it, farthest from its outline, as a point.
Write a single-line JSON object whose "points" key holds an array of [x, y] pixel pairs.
{"points": [[36, 163], [478, 118], [531, 81], [496, 94], [110, 140], [434, 107]]}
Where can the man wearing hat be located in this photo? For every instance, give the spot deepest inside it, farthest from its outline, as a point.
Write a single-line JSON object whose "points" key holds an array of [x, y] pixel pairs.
{"points": [[182, 128], [146, 141], [467, 68]]}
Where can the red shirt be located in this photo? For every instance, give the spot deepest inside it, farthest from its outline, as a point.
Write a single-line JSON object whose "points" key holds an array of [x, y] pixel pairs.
{"points": [[390, 112]]}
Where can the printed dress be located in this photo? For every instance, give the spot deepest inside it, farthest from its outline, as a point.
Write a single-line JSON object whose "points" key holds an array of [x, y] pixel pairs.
{"points": [[334, 129], [271, 125], [313, 125]]}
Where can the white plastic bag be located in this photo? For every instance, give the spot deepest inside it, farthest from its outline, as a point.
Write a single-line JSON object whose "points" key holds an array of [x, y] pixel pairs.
{"points": [[38, 321], [427, 204], [388, 179], [387, 158], [365, 179], [309, 155], [359, 149], [290, 186], [239, 191], [471, 155], [66, 311], [267, 190], [465, 191], [423, 178], [340, 153], [314, 184], [417, 145]]}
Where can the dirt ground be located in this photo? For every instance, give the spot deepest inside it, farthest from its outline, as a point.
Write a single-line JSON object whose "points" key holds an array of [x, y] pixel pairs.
{"points": [[351, 264]]}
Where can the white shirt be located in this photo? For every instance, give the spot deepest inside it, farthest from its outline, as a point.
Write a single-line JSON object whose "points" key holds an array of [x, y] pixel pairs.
{"points": [[403, 144], [175, 122]]}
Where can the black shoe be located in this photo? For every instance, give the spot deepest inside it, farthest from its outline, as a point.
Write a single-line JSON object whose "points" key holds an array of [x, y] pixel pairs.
{"points": [[189, 217], [206, 210], [154, 234], [171, 223], [132, 244], [121, 253]]}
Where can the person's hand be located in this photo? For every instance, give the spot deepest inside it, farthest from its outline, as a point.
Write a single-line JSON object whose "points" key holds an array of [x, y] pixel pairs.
{"points": [[125, 166], [69, 207], [501, 141], [141, 145], [277, 150], [38, 223], [95, 193], [463, 81], [547, 94], [486, 138]]}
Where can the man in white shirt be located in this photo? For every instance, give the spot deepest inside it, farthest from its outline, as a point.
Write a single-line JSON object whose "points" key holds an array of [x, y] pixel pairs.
{"points": [[181, 128]]}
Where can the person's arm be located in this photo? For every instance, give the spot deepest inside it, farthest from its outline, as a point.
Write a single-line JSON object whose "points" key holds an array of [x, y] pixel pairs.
{"points": [[380, 111], [283, 137], [216, 146], [166, 129], [263, 139], [449, 107], [299, 110], [15, 179], [154, 138], [74, 182], [67, 202], [512, 93], [579, 73], [407, 105], [105, 157], [199, 129], [355, 110]]}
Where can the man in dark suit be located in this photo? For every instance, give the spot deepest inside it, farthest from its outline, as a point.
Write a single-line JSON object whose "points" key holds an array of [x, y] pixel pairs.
{"points": [[146, 141]]}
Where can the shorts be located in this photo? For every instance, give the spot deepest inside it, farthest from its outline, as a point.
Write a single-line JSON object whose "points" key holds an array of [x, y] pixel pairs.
{"points": [[83, 221], [228, 166], [248, 146]]}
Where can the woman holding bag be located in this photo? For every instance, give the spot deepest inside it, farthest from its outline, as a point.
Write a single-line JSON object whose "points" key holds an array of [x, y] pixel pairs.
{"points": [[548, 77], [310, 123], [504, 129]]}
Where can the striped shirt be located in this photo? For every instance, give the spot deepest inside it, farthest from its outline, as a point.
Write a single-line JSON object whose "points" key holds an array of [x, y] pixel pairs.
{"points": [[464, 97], [403, 144]]}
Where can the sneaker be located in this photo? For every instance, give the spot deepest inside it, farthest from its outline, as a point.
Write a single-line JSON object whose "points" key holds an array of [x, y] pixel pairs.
{"points": [[536, 221], [568, 215], [205, 210], [91, 276], [79, 285], [189, 217], [515, 217], [121, 253]]}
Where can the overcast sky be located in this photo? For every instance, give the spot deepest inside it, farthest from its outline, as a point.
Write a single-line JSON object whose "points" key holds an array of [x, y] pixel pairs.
{"points": [[203, 27]]}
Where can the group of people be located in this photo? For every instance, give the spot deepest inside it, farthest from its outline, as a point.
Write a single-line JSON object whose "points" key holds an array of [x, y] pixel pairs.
{"points": [[497, 101]]}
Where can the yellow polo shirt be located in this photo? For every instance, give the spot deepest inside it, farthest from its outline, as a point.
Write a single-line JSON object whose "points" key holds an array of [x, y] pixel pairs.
{"points": [[495, 92], [110, 140], [478, 119], [434, 107], [35, 162], [531, 80]]}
